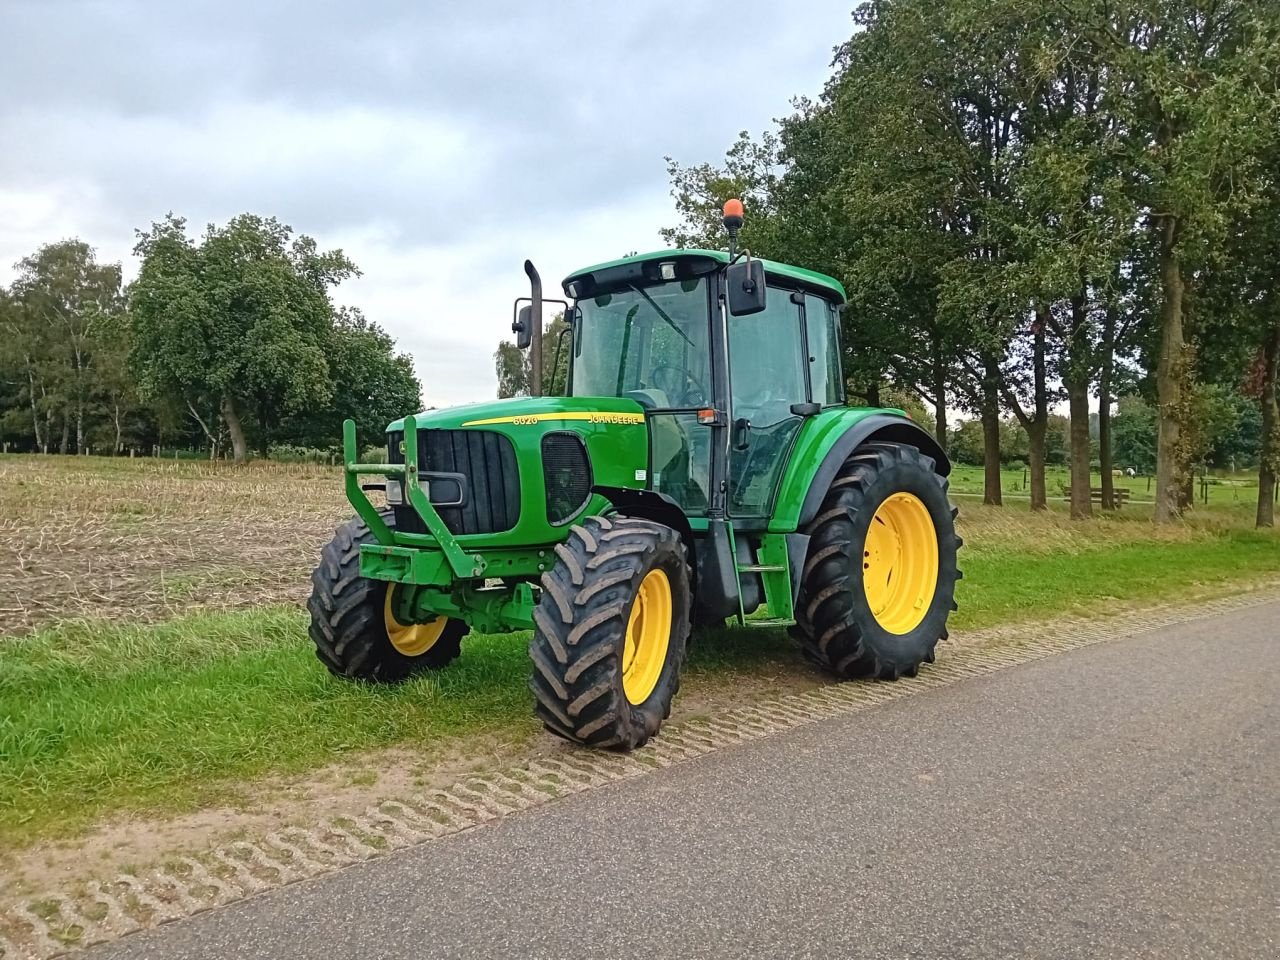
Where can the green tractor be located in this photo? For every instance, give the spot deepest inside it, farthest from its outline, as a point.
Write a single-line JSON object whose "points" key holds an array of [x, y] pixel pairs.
{"points": [[704, 464]]}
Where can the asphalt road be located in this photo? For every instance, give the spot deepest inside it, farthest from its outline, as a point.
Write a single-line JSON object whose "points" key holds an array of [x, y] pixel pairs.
{"points": [[1117, 801]]}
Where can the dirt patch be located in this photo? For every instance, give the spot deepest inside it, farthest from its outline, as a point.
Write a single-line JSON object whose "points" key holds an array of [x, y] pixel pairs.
{"points": [[122, 845], [125, 844], [144, 539]]}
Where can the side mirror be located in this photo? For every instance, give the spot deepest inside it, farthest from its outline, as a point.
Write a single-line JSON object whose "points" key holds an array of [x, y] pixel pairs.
{"points": [[744, 283], [523, 327]]}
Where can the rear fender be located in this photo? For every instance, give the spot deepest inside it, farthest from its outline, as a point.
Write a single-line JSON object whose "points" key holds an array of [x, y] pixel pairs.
{"points": [[812, 470]]}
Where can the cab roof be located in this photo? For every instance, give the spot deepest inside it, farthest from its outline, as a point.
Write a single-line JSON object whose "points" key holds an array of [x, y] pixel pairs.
{"points": [[631, 268]]}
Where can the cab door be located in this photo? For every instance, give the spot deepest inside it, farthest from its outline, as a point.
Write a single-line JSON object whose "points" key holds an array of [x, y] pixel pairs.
{"points": [[768, 374]]}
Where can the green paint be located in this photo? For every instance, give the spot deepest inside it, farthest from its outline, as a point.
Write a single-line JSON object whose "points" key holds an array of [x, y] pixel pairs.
{"points": [[367, 511], [818, 435], [772, 552], [485, 609], [773, 269], [455, 567]]}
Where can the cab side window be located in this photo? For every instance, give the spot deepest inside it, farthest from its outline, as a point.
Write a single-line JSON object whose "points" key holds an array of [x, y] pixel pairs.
{"points": [[822, 321]]}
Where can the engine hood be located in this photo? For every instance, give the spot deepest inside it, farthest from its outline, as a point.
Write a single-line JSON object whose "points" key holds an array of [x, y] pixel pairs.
{"points": [[526, 411]]}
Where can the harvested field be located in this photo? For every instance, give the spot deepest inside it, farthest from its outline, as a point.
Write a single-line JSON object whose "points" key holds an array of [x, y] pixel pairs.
{"points": [[146, 539]]}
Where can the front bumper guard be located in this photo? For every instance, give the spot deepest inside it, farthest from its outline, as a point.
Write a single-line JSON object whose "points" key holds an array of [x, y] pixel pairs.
{"points": [[397, 547]]}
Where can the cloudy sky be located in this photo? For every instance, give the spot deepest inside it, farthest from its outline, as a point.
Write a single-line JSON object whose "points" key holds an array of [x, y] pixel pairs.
{"points": [[438, 143]]}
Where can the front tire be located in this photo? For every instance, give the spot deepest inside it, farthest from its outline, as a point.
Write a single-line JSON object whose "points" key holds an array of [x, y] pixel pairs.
{"points": [[352, 624], [611, 629], [879, 580]]}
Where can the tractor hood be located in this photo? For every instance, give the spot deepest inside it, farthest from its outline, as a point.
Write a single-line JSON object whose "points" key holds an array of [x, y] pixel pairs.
{"points": [[512, 472], [554, 412]]}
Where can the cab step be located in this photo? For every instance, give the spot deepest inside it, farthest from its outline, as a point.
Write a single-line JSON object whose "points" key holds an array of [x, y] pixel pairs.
{"points": [[761, 568], [769, 622]]}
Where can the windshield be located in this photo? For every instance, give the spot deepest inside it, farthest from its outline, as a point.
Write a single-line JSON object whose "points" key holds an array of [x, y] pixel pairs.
{"points": [[648, 343]]}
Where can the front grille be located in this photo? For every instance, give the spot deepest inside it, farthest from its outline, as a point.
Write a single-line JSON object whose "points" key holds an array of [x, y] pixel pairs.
{"points": [[486, 459], [566, 470]]}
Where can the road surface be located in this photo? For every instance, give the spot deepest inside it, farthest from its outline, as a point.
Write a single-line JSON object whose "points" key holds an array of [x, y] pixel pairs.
{"points": [[1117, 801]]}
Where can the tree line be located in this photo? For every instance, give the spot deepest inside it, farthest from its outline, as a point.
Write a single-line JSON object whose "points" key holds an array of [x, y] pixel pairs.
{"points": [[229, 342], [1037, 202]]}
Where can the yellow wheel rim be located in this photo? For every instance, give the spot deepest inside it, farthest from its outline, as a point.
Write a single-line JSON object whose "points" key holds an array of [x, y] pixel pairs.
{"points": [[900, 563], [648, 636], [411, 639]]}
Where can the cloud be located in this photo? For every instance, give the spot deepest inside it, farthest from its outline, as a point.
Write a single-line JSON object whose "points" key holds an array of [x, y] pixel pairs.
{"points": [[439, 144]]}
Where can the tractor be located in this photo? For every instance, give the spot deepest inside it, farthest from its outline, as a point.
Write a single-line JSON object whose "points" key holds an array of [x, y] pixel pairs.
{"points": [[703, 465]]}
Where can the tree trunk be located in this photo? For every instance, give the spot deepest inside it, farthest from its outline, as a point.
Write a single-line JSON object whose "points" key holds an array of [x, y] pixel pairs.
{"points": [[873, 394], [265, 426], [1104, 407], [1078, 400], [1076, 380], [115, 450], [79, 357], [231, 417], [42, 440], [209, 434], [66, 434], [1169, 381], [1036, 444], [1038, 428], [939, 395], [1270, 431], [991, 436]]}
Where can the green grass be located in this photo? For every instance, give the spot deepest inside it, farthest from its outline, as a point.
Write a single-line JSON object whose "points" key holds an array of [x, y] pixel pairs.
{"points": [[97, 718], [1003, 585], [1223, 490]]}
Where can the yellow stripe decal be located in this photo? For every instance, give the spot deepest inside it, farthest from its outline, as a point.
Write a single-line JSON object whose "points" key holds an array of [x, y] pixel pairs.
{"points": [[593, 416]]}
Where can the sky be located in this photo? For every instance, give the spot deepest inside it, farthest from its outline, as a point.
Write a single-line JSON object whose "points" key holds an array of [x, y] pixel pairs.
{"points": [[438, 144]]}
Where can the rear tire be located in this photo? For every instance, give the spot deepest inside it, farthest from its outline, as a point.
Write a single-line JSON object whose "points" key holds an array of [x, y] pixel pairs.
{"points": [[350, 623], [611, 629], [835, 622]]}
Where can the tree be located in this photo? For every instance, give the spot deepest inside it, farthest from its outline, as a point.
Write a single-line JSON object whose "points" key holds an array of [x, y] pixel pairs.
{"points": [[238, 324], [1193, 86], [1240, 342], [1135, 432], [749, 173], [966, 443], [65, 300], [114, 389], [371, 384], [513, 364]]}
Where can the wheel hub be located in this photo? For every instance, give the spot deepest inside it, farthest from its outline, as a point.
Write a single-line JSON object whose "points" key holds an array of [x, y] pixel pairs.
{"points": [[900, 563], [648, 636], [410, 639]]}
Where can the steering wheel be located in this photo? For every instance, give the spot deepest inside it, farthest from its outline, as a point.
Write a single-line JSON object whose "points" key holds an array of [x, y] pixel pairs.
{"points": [[679, 385], [766, 409]]}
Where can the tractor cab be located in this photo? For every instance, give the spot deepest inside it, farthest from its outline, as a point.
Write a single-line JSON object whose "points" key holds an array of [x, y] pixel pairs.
{"points": [[724, 392]]}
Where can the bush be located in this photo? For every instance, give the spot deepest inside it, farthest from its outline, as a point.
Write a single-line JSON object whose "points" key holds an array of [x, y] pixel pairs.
{"points": [[168, 453], [288, 453]]}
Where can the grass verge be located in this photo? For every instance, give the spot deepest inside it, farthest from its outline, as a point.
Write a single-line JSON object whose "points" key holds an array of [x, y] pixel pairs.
{"points": [[98, 718]]}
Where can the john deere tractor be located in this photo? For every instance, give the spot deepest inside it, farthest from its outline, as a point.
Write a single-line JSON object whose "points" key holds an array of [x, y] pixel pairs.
{"points": [[703, 465]]}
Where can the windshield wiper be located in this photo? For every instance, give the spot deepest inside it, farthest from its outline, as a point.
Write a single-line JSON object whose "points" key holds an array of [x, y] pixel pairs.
{"points": [[662, 313]]}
